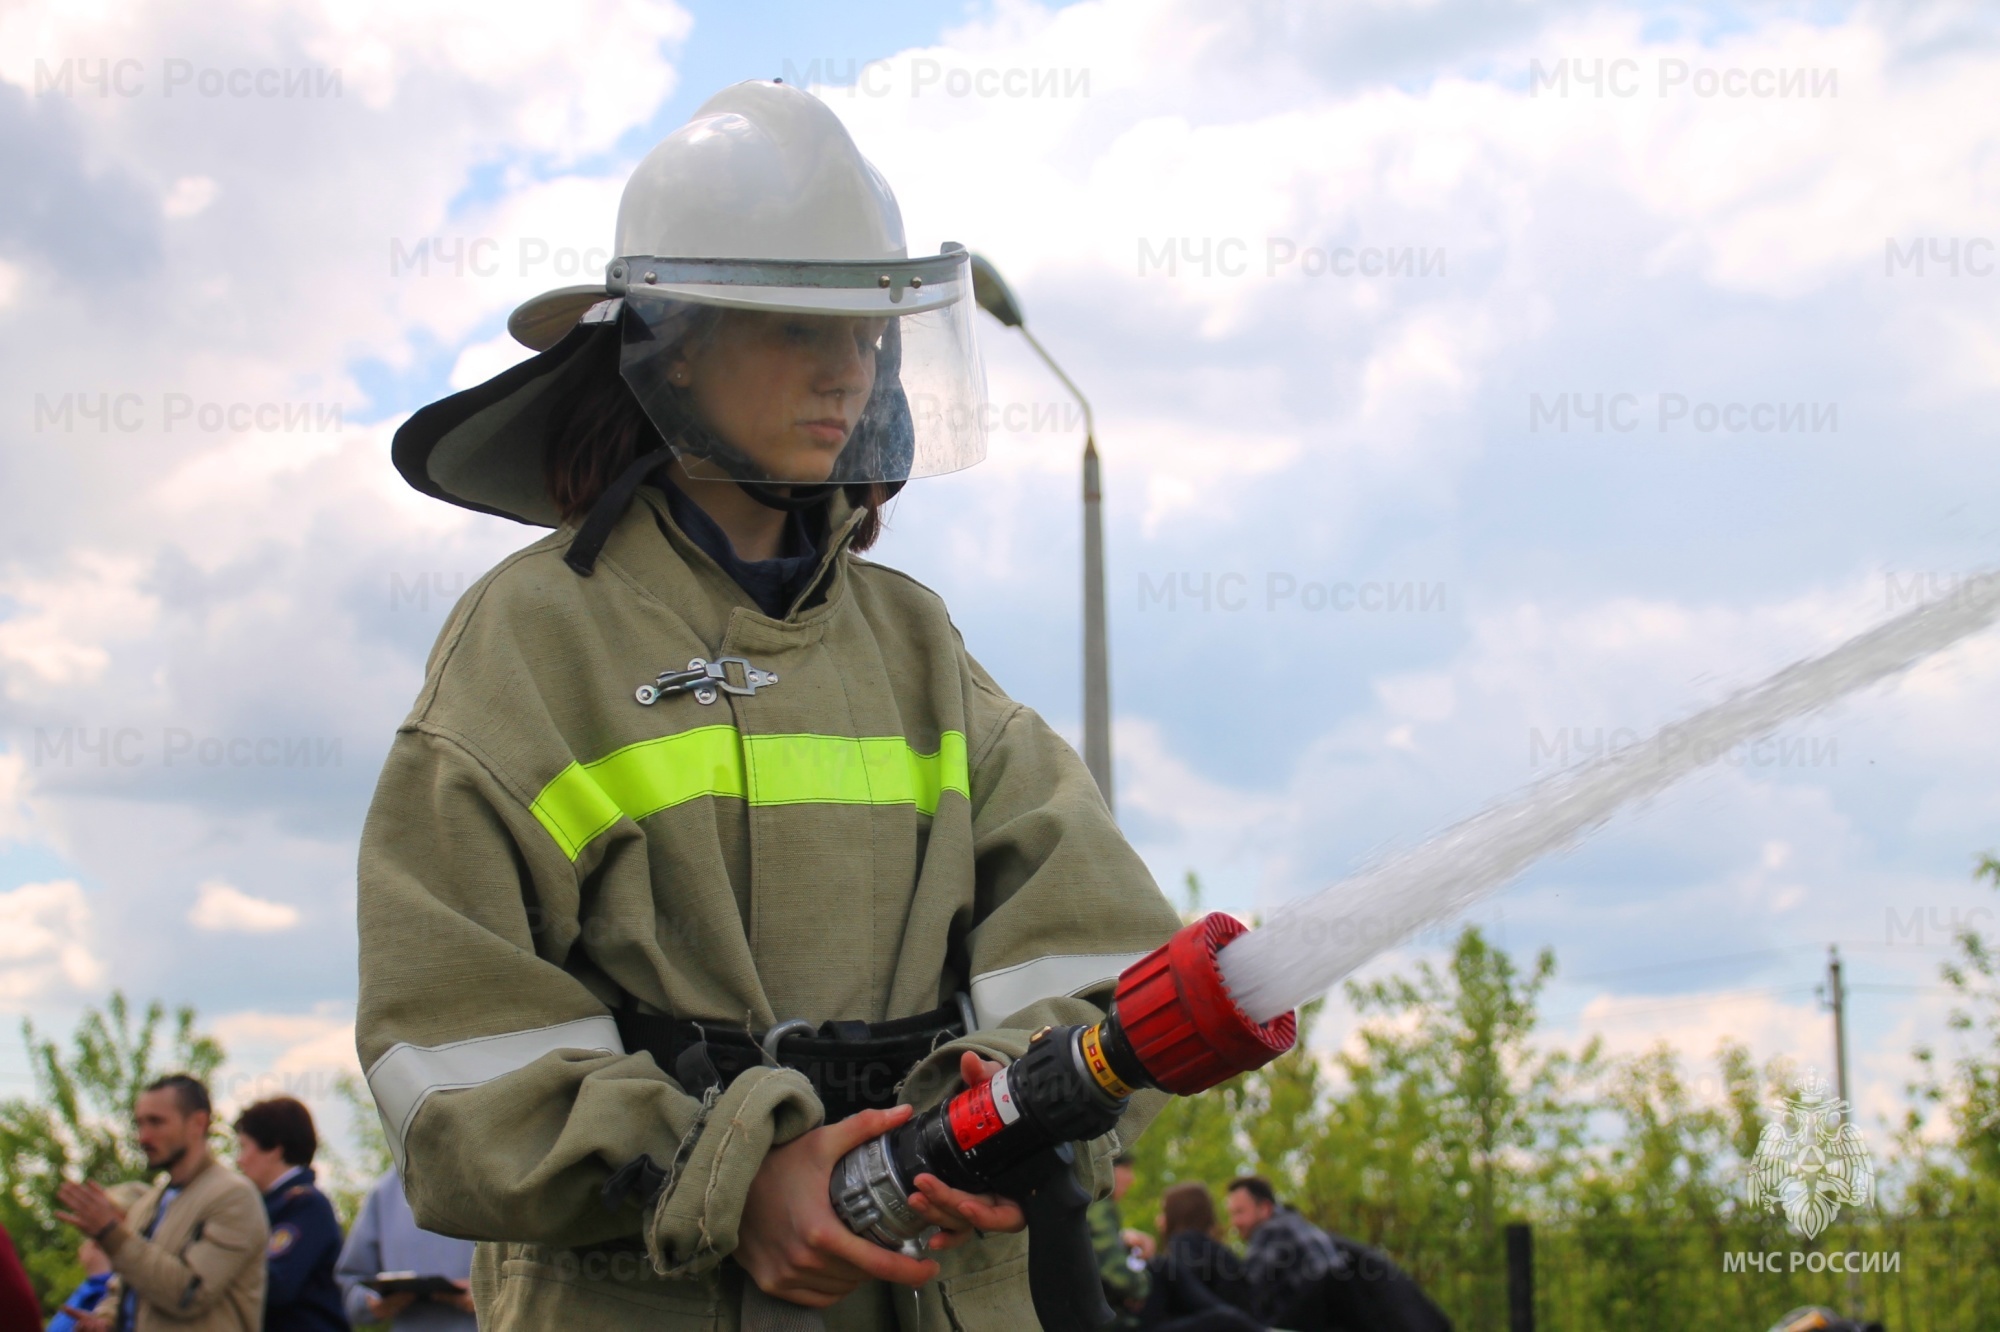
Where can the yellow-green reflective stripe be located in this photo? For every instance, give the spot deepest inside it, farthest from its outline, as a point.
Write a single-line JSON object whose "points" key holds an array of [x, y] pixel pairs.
{"points": [[838, 770], [587, 798]]}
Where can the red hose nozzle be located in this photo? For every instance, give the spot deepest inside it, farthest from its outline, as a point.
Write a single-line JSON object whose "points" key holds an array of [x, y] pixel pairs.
{"points": [[1179, 1020]]}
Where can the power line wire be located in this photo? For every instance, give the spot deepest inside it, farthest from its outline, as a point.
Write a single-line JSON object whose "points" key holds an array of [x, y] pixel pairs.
{"points": [[1622, 1009], [1690, 962]]}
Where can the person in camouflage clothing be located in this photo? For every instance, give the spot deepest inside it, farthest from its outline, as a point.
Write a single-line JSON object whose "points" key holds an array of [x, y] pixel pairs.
{"points": [[1120, 1264]]}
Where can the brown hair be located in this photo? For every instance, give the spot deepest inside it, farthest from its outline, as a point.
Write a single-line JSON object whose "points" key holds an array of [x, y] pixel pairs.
{"points": [[1187, 1207], [189, 1093], [283, 1123], [606, 430]]}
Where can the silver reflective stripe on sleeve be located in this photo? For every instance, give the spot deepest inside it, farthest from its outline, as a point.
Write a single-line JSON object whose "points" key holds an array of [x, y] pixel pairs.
{"points": [[404, 1078], [995, 994]]}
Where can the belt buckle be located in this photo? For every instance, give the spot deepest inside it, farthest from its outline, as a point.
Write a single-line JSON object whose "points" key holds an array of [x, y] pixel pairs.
{"points": [[776, 1035]]}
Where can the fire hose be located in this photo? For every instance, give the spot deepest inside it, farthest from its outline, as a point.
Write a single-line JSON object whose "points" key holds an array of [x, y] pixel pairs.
{"points": [[1172, 1026]]}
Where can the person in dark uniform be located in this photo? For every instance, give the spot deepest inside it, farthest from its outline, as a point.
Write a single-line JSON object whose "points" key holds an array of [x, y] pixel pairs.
{"points": [[275, 1143], [1197, 1283], [1306, 1280]]}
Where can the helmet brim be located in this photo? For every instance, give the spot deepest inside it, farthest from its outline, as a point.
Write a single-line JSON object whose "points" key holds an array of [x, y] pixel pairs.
{"points": [[869, 288], [542, 322]]}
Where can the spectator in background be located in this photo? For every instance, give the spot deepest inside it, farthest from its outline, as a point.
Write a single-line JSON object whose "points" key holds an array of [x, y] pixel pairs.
{"points": [[191, 1255], [18, 1305], [99, 1282], [1121, 1264], [1197, 1283], [1306, 1280], [386, 1239], [1369, 1291], [275, 1145], [1285, 1253]]}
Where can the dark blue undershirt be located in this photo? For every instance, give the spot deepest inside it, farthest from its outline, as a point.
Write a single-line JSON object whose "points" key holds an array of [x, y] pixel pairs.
{"points": [[773, 584]]}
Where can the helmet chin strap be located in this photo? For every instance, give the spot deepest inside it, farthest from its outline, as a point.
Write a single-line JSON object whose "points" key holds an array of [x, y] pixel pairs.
{"points": [[596, 528], [788, 498], [785, 496], [597, 525]]}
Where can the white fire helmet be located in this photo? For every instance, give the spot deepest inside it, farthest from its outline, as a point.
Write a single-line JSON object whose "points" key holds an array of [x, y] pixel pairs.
{"points": [[762, 207]]}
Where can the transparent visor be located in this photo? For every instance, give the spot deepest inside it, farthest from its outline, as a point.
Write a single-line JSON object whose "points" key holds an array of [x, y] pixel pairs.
{"points": [[767, 384]]}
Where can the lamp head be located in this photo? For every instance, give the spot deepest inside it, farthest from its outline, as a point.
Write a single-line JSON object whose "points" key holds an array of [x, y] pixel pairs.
{"points": [[993, 294]]}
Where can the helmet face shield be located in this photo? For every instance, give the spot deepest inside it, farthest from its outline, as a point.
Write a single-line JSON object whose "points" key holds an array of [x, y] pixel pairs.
{"points": [[807, 373]]}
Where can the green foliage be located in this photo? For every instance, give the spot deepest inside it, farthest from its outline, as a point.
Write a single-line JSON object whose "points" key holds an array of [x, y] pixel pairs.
{"points": [[1451, 1122], [346, 1180], [1975, 1102], [1674, 1159], [79, 1124], [1662, 1197], [1194, 1138], [1963, 1176], [1445, 1117]]}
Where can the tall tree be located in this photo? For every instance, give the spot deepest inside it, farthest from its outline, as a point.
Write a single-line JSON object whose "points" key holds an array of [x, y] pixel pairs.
{"points": [[1452, 1119], [1964, 1087], [347, 1179], [79, 1123]]}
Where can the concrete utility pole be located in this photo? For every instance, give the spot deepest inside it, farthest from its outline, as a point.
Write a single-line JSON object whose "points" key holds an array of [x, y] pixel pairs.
{"points": [[1096, 645], [1836, 999], [997, 299]]}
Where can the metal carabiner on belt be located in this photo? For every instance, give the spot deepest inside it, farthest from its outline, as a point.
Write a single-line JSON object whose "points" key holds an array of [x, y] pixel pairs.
{"points": [[707, 681]]}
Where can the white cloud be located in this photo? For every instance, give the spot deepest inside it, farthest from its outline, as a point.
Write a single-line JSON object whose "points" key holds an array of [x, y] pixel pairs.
{"points": [[1182, 819], [1697, 1023], [1428, 696], [189, 196], [223, 907], [14, 814], [239, 583], [577, 76], [303, 1055], [61, 633], [44, 940]]}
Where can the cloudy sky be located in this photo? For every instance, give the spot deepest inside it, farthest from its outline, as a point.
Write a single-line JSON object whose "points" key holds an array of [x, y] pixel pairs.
{"points": [[1479, 383]]}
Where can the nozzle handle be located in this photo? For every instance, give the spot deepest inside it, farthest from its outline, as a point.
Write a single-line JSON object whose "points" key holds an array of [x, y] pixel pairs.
{"points": [[1062, 1266]]}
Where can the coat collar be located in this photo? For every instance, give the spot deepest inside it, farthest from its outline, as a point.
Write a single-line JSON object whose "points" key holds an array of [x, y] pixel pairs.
{"points": [[650, 547]]}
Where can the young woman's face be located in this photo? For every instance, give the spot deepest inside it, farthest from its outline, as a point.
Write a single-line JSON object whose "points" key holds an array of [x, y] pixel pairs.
{"points": [[785, 390]]}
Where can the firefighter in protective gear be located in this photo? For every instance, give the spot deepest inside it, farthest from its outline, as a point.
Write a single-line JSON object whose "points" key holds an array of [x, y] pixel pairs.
{"points": [[707, 850]]}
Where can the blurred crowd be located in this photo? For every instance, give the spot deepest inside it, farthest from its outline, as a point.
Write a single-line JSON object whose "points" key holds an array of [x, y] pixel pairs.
{"points": [[208, 1248], [1288, 1274]]}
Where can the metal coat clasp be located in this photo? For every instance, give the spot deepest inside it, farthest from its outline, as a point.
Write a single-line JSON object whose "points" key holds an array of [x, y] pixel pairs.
{"points": [[707, 681]]}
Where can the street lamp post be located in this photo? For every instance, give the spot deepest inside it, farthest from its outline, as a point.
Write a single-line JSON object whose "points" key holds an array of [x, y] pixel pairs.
{"points": [[996, 299]]}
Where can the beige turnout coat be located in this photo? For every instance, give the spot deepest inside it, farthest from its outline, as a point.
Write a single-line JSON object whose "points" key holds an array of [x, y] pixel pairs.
{"points": [[203, 1268], [880, 829]]}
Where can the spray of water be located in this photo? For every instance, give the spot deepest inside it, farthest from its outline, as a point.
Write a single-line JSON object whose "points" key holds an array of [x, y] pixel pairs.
{"points": [[1311, 944]]}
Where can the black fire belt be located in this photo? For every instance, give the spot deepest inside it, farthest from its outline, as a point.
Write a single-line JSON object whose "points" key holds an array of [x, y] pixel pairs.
{"points": [[853, 1066]]}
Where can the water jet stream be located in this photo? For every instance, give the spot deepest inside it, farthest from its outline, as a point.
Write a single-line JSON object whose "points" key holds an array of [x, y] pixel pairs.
{"points": [[1309, 945]]}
